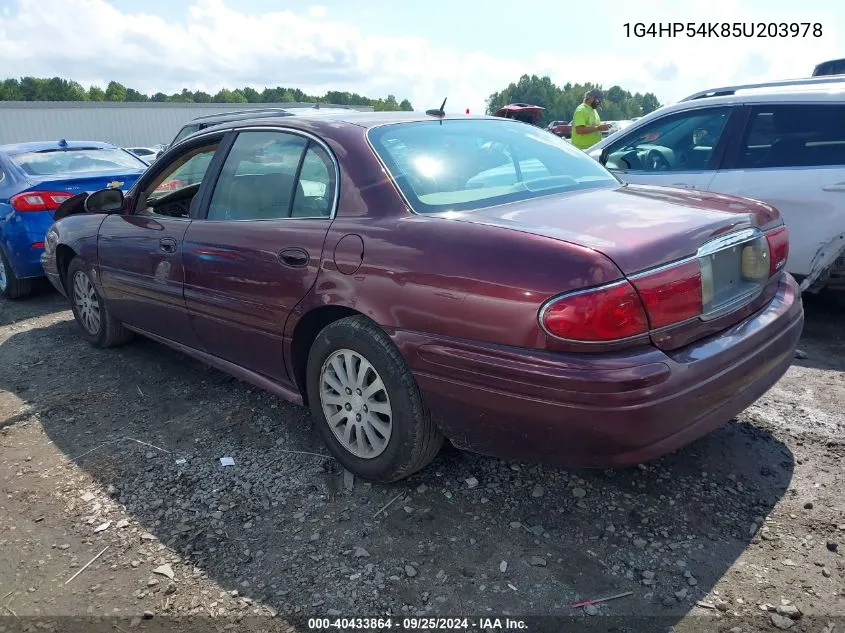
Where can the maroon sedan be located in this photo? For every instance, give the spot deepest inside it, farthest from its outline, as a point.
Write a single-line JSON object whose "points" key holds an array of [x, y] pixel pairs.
{"points": [[414, 277]]}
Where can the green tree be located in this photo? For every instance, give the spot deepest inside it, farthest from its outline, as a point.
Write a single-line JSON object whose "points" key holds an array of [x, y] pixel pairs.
{"points": [[560, 101], [252, 95], [29, 87], [95, 93], [229, 96], [59, 89], [75, 92], [186, 96], [649, 103], [10, 90], [115, 92], [134, 95]]}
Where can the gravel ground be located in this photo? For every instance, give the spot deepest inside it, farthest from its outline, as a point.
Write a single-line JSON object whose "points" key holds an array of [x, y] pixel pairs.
{"points": [[117, 453]]}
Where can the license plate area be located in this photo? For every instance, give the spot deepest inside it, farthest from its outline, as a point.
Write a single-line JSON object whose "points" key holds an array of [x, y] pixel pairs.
{"points": [[734, 271]]}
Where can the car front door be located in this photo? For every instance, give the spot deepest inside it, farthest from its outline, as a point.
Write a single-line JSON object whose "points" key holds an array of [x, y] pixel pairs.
{"points": [[140, 251], [255, 251], [680, 149], [792, 156]]}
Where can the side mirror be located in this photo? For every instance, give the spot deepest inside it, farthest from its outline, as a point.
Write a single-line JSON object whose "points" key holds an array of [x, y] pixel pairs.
{"points": [[104, 201], [605, 154], [71, 206]]}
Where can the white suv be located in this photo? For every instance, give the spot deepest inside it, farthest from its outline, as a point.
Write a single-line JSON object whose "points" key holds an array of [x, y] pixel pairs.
{"points": [[781, 142]]}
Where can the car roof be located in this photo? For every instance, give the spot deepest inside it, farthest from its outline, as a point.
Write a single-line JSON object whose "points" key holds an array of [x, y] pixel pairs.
{"points": [[40, 146], [254, 113], [365, 120], [817, 90], [812, 87]]}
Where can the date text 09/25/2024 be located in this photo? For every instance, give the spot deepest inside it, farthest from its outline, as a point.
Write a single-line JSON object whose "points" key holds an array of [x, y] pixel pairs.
{"points": [[723, 29], [415, 624]]}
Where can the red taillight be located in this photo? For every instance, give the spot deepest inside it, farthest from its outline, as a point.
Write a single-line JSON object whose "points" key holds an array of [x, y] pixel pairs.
{"points": [[37, 245], [604, 314], [39, 200], [778, 240], [671, 295]]}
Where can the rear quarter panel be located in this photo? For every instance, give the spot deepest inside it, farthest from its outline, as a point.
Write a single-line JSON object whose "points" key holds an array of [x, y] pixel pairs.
{"points": [[454, 279]]}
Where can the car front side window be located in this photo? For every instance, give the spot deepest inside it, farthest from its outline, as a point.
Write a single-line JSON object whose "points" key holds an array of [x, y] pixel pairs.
{"points": [[173, 189], [677, 142]]}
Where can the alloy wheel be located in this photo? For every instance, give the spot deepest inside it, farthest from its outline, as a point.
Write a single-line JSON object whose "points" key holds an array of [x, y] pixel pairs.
{"points": [[4, 281], [87, 304], [356, 404]]}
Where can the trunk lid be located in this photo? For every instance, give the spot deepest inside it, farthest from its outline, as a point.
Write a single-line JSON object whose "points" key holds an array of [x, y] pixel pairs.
{"points": [[79, 183], [638, 227], [655, 237], [75, 184]]}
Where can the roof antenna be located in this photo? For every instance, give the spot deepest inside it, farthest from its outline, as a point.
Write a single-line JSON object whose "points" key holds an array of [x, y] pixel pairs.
{"points": [[438, 113]]}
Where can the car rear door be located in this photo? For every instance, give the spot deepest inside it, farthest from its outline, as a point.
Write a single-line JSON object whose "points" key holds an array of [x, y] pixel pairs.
{"points": [[680, 149], [255, 251], [140, 252], [792, 156]]}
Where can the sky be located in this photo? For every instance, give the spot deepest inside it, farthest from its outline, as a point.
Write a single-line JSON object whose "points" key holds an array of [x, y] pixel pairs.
{"points": [[422, 51]]}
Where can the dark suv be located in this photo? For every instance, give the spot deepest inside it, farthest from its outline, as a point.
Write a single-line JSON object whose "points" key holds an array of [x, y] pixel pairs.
{"points": [[832, 67], [210, 120]]}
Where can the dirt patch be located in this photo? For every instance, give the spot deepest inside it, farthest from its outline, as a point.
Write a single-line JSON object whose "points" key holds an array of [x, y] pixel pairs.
{"points": [[119, 450]]}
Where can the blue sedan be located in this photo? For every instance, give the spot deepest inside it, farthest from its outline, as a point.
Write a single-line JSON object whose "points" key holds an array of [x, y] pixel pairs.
{"points": [[35, 178]]}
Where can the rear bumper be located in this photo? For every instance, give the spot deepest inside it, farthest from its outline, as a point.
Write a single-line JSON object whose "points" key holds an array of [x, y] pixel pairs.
{"points": [[19, 234], [591, 411]]}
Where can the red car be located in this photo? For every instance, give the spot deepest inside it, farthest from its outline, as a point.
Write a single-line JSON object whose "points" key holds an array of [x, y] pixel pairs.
{"points": [[413, 278], [561, 128], [524, 112]]}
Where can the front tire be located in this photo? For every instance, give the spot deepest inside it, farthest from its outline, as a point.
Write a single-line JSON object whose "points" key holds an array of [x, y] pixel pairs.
{"points": [[89, 308], [11, 286], [367, 404]]}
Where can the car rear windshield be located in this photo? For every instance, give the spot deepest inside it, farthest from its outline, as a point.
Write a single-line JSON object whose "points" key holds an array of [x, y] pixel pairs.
{"points": [[463, 165], [74, 161]]}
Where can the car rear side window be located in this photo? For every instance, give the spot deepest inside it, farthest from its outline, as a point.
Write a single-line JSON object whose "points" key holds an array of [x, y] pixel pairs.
{"points": [[468, 164], [794, 135], [273, 175], [676, 142]]}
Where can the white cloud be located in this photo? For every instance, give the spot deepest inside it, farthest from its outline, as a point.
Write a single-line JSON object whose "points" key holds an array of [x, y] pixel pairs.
{"points": [[219, 46]]}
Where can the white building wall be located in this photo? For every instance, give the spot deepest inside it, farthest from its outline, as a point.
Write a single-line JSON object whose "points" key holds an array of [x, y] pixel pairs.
{"points": [[119, 123]]}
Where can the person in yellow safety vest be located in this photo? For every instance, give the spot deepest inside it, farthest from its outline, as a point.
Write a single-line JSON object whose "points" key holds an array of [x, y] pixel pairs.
{"points": [[586, 123]]}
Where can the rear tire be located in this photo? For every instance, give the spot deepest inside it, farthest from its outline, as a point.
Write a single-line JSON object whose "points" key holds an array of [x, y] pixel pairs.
{"points": [[380, 429], [89, 308], [11, 286]]}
